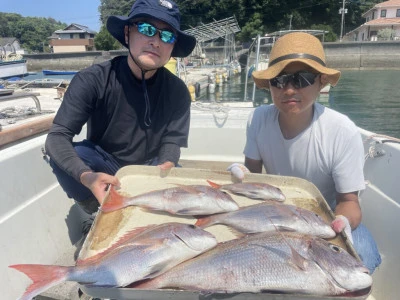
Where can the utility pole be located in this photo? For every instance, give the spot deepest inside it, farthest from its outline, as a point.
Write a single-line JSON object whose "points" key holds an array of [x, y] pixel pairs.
{"points": [[342, 11], [290, 23]]}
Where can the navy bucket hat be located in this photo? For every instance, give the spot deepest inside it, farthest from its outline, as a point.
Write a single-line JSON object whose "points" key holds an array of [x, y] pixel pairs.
{"points": [[163, 10]]}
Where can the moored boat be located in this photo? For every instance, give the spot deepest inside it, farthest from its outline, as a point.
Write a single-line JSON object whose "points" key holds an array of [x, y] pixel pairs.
{"points": [[58, 72], [12, 68]]}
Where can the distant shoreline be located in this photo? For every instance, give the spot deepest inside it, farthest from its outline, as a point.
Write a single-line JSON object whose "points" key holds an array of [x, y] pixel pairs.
{"points": [[345, 55]]}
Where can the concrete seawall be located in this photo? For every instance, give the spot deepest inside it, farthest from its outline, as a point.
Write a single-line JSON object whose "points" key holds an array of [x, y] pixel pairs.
{"points": [[366, 55], [346, 55]]}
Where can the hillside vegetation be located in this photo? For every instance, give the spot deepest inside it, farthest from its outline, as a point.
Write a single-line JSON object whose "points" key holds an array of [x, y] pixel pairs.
{"points": [[253, 16]]}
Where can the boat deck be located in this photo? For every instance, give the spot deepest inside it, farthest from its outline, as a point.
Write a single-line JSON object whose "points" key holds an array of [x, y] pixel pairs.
{"points": [[20, 117]]}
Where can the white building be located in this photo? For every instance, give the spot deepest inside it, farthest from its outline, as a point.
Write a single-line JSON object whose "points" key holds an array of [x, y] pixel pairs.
{"points": [[382, 22], [74, 38], [10, 48]]}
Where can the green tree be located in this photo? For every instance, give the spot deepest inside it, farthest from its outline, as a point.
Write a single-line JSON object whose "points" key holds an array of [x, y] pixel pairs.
{"points": [[114, 8], [252, 28], [386, 34], [32, 32], [105, 41], [328, 37]]}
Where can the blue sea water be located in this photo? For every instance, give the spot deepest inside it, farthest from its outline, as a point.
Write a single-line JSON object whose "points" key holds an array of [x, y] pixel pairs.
{"points": [[369, 97], [40, 75]]}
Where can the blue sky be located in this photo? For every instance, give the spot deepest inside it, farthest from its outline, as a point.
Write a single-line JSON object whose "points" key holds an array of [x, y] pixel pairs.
{"points": [[84, 12]]}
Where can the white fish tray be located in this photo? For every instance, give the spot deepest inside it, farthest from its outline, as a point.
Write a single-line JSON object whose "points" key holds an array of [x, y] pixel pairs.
{"points": [[135, 180]]}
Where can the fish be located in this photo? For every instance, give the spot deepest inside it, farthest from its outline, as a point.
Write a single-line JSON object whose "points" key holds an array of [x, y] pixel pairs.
{"points": [[142, 253], [253, 190], [269, 216], [181, 200], [278, 262]]}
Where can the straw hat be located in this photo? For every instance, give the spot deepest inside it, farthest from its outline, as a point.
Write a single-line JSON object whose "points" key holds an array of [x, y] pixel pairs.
{"points": [[163, 10], [295, 47]]}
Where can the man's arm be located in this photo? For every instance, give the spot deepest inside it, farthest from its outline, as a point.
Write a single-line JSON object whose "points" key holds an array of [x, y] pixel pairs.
{"points": [[254, 166], [169, 156], [349, 206], [60, 149]]}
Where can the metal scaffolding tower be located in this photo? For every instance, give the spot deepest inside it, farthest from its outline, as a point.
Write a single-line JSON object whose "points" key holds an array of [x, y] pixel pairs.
{"points": [[225, 29]]}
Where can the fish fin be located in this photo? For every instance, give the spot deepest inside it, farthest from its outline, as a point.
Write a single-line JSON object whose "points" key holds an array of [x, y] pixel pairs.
{"points": [[214, 185], [180, 212], [187, 188], [155, 269], [236, 233], [284, 228], [285, 209], [203, 222], [123, 240], [43, 277], [297, 259], [114, 201]]}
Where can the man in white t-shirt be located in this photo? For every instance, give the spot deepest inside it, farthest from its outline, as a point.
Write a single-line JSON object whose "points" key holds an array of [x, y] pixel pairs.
{"points": [[298, 137]]}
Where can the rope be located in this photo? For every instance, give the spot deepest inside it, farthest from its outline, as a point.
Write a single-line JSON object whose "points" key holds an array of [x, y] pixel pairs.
{"points": [[213, 107], [12, 114], [387, 139], [219, 112]]}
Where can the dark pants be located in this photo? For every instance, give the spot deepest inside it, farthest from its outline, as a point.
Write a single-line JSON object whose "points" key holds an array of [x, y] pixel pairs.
{"points": [[95, 158]]}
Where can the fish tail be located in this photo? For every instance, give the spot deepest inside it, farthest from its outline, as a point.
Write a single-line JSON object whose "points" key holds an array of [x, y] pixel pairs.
{"points": [[213, 184], [43, 277], [114, 201], [204, 222]]}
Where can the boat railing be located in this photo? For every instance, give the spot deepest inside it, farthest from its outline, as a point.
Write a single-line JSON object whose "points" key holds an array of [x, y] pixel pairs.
{"points": [[21, 95], [255, 44]]}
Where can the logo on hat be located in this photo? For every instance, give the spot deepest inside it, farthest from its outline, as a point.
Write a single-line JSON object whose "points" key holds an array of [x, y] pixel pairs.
{"points": [[166, 4]]}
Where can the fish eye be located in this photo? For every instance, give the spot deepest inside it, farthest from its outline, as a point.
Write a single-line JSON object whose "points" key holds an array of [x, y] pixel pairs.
{"points": [[192, 226], [335, 248]]}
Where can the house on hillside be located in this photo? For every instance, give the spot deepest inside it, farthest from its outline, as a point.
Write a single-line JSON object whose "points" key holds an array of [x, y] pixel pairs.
{"points": [[10, 46], [73, 38], [381, 22]]}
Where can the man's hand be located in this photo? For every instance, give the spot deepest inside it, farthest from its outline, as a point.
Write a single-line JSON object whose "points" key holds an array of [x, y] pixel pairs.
{"points": [[238, 171], [341, 223], [166, 165], [98, 183]]}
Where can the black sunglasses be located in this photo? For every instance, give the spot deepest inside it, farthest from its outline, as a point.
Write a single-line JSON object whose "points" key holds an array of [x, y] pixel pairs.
{"points": [[167, 36], [299, 80]]}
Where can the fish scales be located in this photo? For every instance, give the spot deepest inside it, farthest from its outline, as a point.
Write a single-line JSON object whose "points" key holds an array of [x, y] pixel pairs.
{"points": [[253, 190], [181, 200], [265, 262], [144, 255], [269, 216]]}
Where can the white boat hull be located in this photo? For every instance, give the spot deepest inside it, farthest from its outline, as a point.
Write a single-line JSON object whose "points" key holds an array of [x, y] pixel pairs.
{"points": [[39, 223], [12, 68]]}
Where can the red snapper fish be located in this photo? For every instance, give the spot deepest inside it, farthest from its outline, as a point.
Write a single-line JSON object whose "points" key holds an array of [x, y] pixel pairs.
{"points": [[142, 253], [253, 190], [270, 216], [181, 200], [280, 262]]}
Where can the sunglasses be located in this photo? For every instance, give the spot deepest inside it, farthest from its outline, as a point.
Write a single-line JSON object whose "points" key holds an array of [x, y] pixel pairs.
{"points": [[299, 80], [167, 36]]}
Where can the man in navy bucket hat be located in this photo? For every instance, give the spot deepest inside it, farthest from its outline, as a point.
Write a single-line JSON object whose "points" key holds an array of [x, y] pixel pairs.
{"points": [[137, 112], [163, 10]]}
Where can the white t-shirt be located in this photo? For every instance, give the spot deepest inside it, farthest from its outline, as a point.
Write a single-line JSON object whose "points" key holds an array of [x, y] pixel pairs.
{"points": [[329, 153]]}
